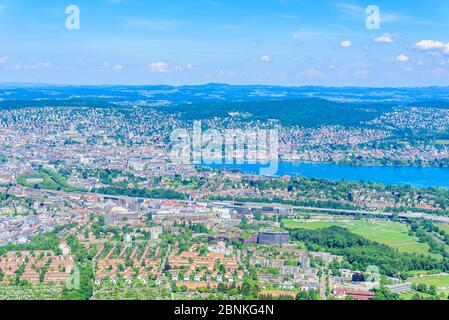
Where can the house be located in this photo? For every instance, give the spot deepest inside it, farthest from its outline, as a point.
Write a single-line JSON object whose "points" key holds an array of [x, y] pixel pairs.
{"points": [[342, 293]]}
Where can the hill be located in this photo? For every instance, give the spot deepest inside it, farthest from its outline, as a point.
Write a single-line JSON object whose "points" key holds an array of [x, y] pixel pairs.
{"points": [[309, 112]]}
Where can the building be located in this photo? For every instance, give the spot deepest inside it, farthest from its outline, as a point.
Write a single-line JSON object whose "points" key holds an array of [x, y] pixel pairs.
{"points": [[273, 237], [342, 293]]}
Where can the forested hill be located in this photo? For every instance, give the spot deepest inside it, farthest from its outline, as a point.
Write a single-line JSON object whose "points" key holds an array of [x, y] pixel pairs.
{"points": [[78, 102], [441, 104], [305, 112], [309, 112]]}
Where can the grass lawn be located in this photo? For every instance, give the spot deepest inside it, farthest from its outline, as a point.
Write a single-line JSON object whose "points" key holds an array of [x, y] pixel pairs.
{"points": [[444, 227], [312, 225], [418, 273], [438, 281], [393, 234], [409, 295], [444, 292]]}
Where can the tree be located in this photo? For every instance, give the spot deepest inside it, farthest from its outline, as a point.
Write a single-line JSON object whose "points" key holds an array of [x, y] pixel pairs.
{"points": [[421, 287], [385, 294], [432, 290], [250, 287], [358, 277], [311, 294]]}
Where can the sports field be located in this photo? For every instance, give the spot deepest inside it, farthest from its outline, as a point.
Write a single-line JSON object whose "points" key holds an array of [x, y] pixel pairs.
{"points": [[393, 234]]}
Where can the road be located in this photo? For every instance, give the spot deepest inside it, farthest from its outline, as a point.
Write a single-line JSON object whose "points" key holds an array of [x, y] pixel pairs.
{"points": [[323, 286], [410, 215]]}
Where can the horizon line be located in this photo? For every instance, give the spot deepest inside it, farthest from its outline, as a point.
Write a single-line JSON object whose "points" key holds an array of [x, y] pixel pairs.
{"points": [[32, 84]]}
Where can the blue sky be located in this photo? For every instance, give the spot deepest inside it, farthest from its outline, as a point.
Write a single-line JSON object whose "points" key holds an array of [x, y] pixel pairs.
{"points": [[278, 42]]}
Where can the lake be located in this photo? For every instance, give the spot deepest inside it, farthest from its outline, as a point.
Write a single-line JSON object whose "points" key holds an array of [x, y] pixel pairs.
{"points": [[415, 176]]}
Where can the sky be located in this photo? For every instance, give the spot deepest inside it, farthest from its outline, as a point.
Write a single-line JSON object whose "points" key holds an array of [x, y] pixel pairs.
{"points": [[178, 42]]}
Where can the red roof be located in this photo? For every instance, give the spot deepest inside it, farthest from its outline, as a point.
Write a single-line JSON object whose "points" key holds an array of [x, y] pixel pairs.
{"points": [[357, 294]]}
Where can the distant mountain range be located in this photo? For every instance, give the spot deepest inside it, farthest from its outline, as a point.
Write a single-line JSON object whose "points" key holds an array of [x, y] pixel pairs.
{"points": [[164, 95], [291, 106]]}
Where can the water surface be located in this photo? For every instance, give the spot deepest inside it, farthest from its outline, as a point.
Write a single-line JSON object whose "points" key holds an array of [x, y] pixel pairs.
{"points": [[415, 176]]}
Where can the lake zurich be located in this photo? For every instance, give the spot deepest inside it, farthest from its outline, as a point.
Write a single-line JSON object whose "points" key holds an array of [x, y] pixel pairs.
{"points": [[415, 176]]}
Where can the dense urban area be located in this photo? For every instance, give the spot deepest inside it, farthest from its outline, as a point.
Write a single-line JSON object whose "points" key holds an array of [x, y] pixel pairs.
{"points": [[92, 206]]}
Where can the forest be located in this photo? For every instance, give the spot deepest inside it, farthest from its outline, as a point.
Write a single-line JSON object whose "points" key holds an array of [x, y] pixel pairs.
{"points": [[362, 253]]}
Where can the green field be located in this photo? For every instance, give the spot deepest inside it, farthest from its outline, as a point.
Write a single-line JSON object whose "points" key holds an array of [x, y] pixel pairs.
{"points": [[438, 281], [393, 234], [443, 226], [51, 180], [312, 225], [39, 291], [411, 294]]}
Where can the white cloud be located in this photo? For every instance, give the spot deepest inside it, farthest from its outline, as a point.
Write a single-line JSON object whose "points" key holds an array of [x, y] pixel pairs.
{"points": [[164, 67], [225, 73], [402, 58], [115, 67], [312, 72], [37, 66], [385, 38], [429, 44], [159, 67], [181, 69], [346, 44], [4, 60], [265, 59], [432, 45]]}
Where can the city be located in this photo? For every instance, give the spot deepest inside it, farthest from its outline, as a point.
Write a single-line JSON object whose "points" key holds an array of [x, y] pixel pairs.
{"points": [[218, 158], [93, 207]]}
